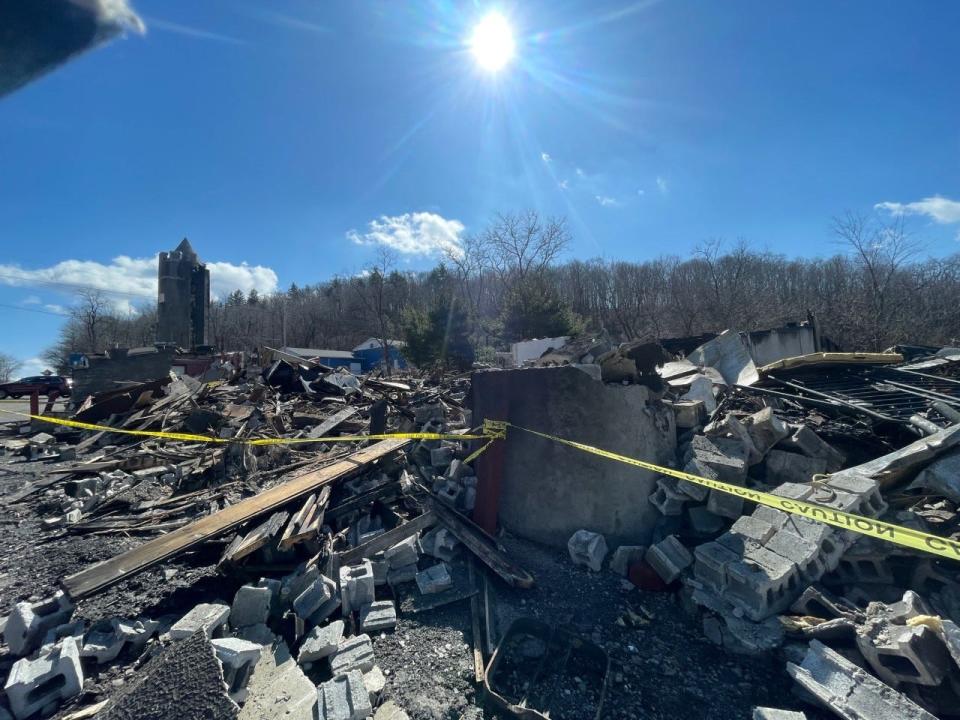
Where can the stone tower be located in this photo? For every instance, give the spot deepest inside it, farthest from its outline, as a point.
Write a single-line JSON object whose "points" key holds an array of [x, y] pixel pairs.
{"points": [[183, 298]]}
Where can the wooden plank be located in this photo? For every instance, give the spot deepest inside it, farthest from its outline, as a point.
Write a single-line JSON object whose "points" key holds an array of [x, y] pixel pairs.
{"points": [[96, 577], [297, 517], [478, 667], [331, 422], [387, 539], [309, 523], [256, 538]]}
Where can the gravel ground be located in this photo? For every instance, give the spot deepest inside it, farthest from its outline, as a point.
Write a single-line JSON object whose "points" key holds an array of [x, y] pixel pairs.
{"points": [[660, 664]]}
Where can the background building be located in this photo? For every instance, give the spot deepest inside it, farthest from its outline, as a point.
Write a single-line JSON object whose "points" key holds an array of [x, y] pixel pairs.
{"points": [[183, 298]]}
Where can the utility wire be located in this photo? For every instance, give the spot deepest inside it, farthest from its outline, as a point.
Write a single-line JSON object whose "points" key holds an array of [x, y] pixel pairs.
{"points": [[35, 310], [27, 282]]}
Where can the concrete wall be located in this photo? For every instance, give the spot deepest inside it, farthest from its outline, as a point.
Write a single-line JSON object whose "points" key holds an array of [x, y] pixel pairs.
{"points": [[105, 373], [550, 490], [767, 346]]}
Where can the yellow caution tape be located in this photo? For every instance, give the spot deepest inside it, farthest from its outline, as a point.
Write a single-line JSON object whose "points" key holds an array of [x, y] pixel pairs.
{"points": [[907, 537], [190, 437]]}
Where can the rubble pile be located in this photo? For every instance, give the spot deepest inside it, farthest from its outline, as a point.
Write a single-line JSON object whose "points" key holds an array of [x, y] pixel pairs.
{"points": [[365, 542], [867, 627], [304, 562]]}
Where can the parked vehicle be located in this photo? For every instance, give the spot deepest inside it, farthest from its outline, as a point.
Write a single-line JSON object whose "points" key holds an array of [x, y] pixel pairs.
{"points": [[44, 384]]}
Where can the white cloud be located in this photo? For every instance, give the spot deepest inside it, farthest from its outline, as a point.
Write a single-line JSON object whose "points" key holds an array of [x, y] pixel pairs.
{"points": [[940, 209], [31, 300], [607, 201], [54, 308], [580, 172], [662, 185], [563, 184], [419, 233], [546, 157], [641, 192], [135, 278], [33, 366]]}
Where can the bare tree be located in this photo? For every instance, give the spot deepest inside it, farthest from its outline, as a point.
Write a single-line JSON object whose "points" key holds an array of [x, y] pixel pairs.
{"points": [[522, 245], [8, 366], [90, 313], [371, 290], [881, 250]]}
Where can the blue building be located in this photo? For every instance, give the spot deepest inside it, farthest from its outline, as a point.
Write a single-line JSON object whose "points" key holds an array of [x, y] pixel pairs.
{"points": [[332, 358], [370, 354]]}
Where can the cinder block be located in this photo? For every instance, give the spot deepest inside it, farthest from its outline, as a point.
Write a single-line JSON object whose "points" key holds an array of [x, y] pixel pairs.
{"points": [[784, 467], [710, 563], [439, 543], [725, 504], [766, 713], [588, 549], [344, 698], [806, 441], [321, 642], [765, 429], [355, 653], [378, 616], [251, 606], [357, 586], [403, 553], [28, 623], [238, 658], [848, 691], [374, 681], [762, 584], [434, 579], [441, 457], [667, 497], [39, 686], [318, 594], [205, 616], [625, 556], [798, 550], [407, 573], [669, 558], [900, 654]]}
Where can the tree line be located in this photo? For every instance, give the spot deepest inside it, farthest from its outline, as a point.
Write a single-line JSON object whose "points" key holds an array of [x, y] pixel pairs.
{"points": [[508, 283]]}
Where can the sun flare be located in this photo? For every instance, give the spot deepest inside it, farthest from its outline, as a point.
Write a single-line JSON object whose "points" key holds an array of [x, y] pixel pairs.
{"points": [[492, 42]]}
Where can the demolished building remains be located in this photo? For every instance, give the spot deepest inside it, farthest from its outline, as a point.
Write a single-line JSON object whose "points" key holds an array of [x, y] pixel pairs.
{"points": [[295, 540]]}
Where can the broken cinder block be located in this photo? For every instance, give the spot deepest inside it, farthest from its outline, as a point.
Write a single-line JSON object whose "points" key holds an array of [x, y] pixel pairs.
{"points": [[238, 658], [356, 653], [29, 622], [344, 698], [321, 642], [205, 616], [588, 549], [434, 579]]}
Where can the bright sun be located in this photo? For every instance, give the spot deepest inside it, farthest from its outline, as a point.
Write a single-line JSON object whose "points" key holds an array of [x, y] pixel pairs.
{"points": [[492, 42]]}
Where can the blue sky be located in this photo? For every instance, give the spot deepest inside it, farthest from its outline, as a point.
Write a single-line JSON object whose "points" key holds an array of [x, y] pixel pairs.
{"points": [[286, 139]]}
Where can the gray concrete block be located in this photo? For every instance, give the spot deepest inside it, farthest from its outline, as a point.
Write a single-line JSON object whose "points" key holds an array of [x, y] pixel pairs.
{"points": [[667, 498], [799, 550], [439, 543], [403, 553], [238, 659], [753, 528], [434, 579], [251, 606], [378, 616], [29, 622], [344, 698], [357, 586], [669, 558], [710, 564], [806, 441], [704, 523], [441, 457], [355, 653], [787, 467], [407, 573], [846, 690], [39, 686], [902, 654], [761, 584], [625, 556], [587, 549], [725, 504], [321, 642], [205, 616], [765, 429], [318, 593]]}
